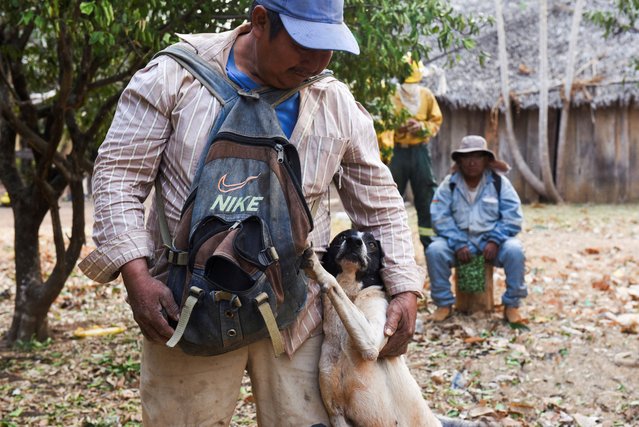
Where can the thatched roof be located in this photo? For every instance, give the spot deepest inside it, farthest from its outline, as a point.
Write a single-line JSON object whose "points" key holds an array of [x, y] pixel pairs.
{"points": [[604, 67]]}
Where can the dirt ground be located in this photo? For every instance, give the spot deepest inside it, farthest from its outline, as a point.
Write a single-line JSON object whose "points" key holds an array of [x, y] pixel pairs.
{"points": [[574, 363]]}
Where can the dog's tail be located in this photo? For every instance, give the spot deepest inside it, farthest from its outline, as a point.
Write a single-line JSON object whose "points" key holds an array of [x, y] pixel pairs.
{"points": [[451, 422]]}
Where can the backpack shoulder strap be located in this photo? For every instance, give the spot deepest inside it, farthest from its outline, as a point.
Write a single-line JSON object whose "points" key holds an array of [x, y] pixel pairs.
{"points": [[497, 183], [282, 96], [451, 184], [220, 87]]}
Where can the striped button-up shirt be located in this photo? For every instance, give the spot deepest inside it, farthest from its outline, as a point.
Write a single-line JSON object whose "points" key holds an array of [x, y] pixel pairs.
{"points": [[158, 132]]}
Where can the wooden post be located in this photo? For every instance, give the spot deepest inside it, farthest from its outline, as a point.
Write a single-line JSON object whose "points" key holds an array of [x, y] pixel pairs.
{"points": [[470, 303]]}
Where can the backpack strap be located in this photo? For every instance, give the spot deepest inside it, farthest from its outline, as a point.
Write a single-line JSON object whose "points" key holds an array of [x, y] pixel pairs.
{"points": [[195, 294], [496, 183], [174, 256], [286, 94], [223, 89]]}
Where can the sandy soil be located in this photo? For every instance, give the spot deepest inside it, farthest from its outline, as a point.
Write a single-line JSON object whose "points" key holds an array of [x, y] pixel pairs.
{"points": [[575, 361]]}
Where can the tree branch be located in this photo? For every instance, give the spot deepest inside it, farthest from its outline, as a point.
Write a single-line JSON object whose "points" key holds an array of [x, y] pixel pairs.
{"points": [[35, 141], [520, 162]]}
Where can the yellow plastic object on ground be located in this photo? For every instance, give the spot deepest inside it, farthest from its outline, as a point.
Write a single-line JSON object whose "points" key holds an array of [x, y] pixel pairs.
{"points": [[96, 331], [5, 200]]}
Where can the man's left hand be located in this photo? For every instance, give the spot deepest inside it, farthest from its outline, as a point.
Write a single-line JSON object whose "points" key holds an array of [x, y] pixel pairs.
{"points": [[400, 324], [414, 126], [490, 251]]}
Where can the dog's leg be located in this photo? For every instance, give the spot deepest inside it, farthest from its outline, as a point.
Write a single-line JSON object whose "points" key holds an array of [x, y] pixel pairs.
{"points": [[355, 323]]}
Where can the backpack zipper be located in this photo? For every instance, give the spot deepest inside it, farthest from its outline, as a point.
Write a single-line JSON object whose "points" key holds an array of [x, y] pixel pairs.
{"points": [[280, 155]]}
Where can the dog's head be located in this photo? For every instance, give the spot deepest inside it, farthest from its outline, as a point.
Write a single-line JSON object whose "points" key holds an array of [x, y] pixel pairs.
{"points": [[356, 247]]}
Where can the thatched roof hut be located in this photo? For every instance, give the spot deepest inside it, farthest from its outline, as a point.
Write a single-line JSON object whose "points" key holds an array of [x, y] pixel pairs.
{"points": [[602, 150]]}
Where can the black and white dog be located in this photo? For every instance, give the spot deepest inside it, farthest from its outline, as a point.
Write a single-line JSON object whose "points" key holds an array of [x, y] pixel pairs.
{"points": [[360, 248], [358, 388]]}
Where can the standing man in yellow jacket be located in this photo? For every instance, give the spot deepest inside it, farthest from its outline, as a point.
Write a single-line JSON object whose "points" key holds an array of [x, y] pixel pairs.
{"points": [[411, 159]]}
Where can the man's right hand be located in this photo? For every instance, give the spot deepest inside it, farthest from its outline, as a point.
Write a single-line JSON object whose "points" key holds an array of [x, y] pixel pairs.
{"points": [[150, 301], [464, 255]]}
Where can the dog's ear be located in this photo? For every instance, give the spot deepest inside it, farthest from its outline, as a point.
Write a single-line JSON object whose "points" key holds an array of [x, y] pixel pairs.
{"points": [[329, 262], [381, 252], [371, 276]]}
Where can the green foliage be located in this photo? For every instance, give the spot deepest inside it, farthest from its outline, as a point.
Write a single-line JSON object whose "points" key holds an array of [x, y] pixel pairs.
{"points": [[386, 30], [33, 345], [622, 17], [98, 44]]}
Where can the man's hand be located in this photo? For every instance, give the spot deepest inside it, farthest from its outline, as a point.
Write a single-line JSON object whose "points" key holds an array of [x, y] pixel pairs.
{"points": [[490, 251], [150, 301], [463, 255], [400, 324], [413, 126]]}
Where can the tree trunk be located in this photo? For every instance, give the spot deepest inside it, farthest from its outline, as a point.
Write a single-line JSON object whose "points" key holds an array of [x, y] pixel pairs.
{"points": [[567, 95], [544, 157], [520, 162], [30, 314], [34, 296]]}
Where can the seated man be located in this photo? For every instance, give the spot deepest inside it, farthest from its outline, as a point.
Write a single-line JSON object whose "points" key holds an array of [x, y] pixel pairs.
{"points": [[475, 211]]}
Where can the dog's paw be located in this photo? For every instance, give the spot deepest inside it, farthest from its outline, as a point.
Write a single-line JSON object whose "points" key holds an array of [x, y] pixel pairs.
{"points": [[307, 258], [370, 354]]}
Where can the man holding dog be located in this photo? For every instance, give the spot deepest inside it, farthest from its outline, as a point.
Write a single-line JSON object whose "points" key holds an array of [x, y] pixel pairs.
{"points": [[476, 212], [158, 132]]}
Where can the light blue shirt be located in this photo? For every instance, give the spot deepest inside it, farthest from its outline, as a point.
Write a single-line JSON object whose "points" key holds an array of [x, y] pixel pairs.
{"points": [[490, 217]]}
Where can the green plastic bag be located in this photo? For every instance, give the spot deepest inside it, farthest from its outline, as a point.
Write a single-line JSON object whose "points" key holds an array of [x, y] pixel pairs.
{"points": [[471, 276]]}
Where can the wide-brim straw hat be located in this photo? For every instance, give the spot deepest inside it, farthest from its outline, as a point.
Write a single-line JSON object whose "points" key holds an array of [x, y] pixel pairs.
{"points": [[472, 144], [477, 144]]}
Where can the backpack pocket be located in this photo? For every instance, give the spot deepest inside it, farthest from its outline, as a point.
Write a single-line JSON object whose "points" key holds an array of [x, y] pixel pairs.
{"points": [[229, 289]]}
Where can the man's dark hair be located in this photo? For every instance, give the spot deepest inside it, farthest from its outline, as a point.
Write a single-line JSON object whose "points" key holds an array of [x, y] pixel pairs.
{"points": [[273, 18]]}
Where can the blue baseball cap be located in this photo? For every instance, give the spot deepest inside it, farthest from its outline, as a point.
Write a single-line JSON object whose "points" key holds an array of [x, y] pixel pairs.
{"points": [[315, 24]]}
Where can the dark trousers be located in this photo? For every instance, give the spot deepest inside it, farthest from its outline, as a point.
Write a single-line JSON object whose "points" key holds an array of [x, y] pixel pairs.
{"points": [[414, 164]]}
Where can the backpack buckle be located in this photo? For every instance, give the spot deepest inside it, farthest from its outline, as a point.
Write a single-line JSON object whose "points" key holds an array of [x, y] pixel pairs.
{"points": [[176, 257], [233, 299], [195, 291], [268, 256], [248, 94]]}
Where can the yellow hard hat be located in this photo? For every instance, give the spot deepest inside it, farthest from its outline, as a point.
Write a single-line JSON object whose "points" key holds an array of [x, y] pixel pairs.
{"points": [[415, 69]]}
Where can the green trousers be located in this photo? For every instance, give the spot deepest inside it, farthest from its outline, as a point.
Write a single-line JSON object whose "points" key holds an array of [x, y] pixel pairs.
{"points": [[414, 164]]}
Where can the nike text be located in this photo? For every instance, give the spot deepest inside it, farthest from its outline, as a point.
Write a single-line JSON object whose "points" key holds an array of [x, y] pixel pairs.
{"points": [[234, 204]]}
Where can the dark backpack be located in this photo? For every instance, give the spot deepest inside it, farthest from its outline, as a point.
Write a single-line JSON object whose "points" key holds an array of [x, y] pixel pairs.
{"points": [[234, 264]]}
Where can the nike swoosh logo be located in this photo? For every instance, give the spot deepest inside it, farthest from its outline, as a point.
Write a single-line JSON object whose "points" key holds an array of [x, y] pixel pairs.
{"points": [[227, 188]]}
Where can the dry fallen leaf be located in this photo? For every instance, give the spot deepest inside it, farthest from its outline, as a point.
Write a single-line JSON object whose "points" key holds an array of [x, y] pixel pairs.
{"points": [[480, 411], [583, 421], [603, 284], [629, 322], [626, 359]]}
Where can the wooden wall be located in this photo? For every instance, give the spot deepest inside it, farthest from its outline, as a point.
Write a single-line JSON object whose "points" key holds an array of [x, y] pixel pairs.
{"points": [[601, 163]]}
